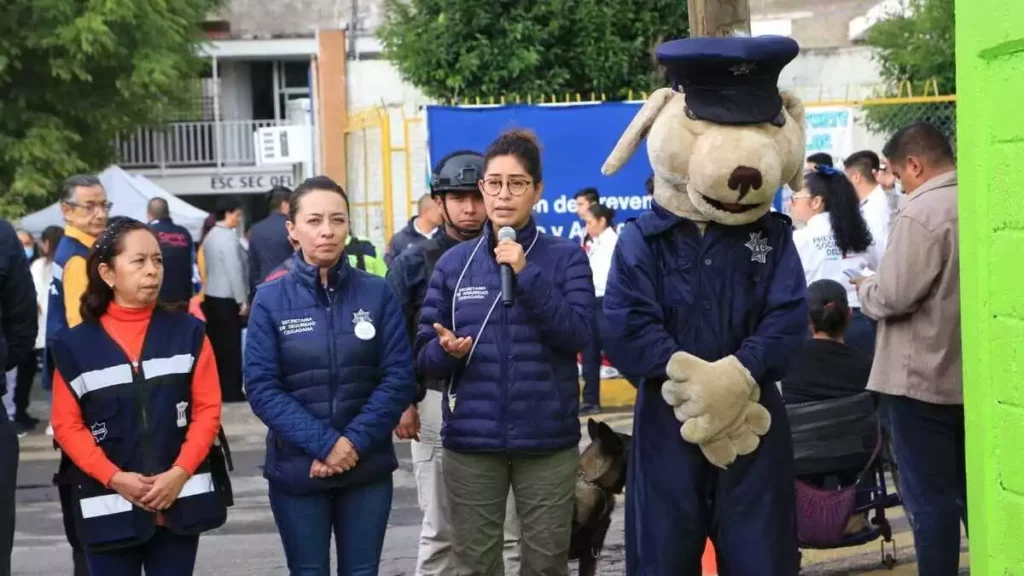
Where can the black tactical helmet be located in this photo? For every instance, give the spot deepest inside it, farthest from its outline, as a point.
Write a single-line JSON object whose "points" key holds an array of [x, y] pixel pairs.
{"points": [[457, 172]]}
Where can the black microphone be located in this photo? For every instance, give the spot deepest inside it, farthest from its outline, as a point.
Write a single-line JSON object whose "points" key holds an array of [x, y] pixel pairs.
{"points": [[508, 278]]}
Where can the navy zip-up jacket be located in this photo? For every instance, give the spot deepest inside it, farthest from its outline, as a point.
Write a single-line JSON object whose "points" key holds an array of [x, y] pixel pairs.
{"points": [[735, 290], [518, 389], [322, 363], [178, 252], [19, 320], [268, 247]]}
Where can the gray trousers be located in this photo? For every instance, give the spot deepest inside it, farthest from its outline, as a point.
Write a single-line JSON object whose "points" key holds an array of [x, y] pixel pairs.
{"points": [[8, 482], [544, 488], [436, 556]]}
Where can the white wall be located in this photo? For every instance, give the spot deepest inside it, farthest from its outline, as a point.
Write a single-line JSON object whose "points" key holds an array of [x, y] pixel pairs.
{"points": [[831, 74], [377, 82]]}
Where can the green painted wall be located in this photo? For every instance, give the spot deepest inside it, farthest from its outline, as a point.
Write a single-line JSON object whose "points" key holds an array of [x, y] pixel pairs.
{"points": [[990, 146]]}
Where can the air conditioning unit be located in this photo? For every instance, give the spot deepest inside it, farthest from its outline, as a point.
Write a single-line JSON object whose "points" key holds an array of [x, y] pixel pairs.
{"points": [[282, 145]]}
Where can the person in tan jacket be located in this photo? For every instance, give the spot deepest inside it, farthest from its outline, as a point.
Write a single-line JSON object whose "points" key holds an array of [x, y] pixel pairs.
{"points": [[915, 297]]}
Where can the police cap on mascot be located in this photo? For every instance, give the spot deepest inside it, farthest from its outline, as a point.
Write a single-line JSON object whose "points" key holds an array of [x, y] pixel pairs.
{"points": [[706, 304]]}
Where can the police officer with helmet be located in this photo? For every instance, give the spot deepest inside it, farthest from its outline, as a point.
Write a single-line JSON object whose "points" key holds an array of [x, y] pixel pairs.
{"points": [[455, 188]]}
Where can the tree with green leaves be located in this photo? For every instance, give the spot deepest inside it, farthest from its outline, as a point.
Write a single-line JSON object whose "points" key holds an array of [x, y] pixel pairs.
{"points": [[468, 49], [75, 73], [916, 49]]}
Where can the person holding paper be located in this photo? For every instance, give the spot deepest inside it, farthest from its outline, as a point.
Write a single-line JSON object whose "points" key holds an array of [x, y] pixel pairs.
{"points": [[834, 242]]}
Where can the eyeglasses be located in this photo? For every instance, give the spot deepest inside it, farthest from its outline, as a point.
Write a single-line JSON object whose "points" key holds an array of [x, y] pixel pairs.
{"points": [[516, 186], [92, 206], [796, 197]]}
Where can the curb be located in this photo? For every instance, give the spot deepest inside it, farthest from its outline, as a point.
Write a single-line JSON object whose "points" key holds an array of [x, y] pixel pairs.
{"points": [[616, 393]]}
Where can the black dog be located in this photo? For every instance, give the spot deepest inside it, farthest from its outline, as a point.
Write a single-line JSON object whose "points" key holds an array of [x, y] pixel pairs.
{"points": [[602, 476]]}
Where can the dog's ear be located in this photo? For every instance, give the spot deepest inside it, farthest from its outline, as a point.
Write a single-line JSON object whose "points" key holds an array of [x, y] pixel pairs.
{"points": [[610, 441], [636, 131], [593, 429]]}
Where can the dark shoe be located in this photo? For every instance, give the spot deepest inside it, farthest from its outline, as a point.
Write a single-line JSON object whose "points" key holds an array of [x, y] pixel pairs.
{"points": [[589, 409], [21, 429], [25, 421]]}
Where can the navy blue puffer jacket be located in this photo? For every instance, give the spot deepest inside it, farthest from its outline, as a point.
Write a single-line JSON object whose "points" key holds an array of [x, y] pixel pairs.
{"points": [[518, 389], [322, 363]]}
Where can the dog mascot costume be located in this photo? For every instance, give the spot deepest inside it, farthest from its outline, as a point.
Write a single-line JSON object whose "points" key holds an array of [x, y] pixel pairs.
{"points": [[706, 304]]}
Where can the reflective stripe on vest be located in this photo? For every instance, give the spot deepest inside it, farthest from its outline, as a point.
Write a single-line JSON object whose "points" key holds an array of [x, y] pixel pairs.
{"points": [[122, 373], [112, 504]]}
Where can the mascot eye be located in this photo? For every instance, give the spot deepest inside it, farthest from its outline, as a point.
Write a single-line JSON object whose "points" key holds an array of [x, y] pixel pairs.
{"points": [[779, 120]]}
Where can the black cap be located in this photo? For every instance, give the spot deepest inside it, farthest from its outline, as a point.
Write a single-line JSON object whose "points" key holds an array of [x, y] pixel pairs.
{"points": [[731, 80], [459, 171]]}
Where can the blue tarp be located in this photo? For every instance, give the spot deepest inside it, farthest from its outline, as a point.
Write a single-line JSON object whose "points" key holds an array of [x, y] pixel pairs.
{"points": [[575, 141]]}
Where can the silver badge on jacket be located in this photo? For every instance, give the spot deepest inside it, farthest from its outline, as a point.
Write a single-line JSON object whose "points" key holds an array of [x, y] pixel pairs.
{"points": [[364, 325]]}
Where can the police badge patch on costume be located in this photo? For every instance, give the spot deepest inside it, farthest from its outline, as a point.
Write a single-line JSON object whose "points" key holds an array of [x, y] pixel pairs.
{"points": [[364, 325], [759, 248], [99, 431], [182, 407]]}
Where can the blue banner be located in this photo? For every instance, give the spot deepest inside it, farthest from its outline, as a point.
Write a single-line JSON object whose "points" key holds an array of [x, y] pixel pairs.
{"points": [[575, 141]]}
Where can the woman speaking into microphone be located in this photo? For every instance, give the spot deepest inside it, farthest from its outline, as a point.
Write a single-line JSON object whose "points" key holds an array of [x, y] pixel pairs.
{"points": [[511, 407]]}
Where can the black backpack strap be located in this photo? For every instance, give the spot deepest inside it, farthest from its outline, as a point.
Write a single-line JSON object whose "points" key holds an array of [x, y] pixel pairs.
{"points": [[361, 261], [223, 438]]}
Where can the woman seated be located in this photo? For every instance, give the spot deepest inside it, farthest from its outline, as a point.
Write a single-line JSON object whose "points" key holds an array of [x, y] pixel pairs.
{"points": [[827, 368]]}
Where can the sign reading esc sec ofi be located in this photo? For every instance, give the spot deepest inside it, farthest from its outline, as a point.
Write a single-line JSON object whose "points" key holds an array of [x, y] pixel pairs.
{"points": [[575, 141]]}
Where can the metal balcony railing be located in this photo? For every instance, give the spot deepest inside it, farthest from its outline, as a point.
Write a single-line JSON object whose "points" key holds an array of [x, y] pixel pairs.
{"points": [[191, 144]]}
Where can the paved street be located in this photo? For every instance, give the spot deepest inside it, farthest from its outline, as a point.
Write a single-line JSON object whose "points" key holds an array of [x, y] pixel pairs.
{"points": [[248, 544]]}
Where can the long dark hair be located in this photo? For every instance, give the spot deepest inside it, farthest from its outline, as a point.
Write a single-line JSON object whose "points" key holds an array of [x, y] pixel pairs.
{"points": [[51, 237], [98, 295], [843, 207], [830, 310]]}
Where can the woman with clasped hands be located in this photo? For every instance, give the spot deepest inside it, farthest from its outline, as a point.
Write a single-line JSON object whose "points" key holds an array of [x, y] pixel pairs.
{"points": [[136, 407], [329, 370], [511, 408]]}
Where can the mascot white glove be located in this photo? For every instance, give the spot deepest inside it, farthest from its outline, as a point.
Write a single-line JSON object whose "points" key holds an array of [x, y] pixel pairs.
{"points": [[717, 402]]}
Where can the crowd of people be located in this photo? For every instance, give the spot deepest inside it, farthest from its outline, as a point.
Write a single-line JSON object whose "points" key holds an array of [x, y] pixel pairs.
{"points": [[343, 351]]}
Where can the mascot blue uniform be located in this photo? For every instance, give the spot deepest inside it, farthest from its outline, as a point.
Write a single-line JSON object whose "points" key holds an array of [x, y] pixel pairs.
{"points": [[706, 304]]}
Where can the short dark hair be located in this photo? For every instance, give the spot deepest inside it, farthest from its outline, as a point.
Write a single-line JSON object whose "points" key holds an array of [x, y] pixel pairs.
{"points": [[224, 205], [590, 193], [98, 295], [158, 208], [864, 163], [921, 140], [310, 184], [68, 187], [279, 195], [521, 144], [829, 307], [600, 211], [820, 158]]}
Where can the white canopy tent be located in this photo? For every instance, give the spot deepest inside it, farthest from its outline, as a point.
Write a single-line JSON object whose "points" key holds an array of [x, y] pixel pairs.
{"points": [[129, 194]]}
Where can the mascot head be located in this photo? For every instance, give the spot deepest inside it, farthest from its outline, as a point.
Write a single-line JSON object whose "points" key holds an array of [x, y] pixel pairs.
{"points": [[723, 138]]}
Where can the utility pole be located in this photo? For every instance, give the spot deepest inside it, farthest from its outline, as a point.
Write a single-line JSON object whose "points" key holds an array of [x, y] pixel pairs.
{"points": [[719, 17]]}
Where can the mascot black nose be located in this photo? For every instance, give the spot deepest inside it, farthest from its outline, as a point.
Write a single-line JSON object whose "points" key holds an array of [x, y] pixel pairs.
{"points": [[744, 179]]}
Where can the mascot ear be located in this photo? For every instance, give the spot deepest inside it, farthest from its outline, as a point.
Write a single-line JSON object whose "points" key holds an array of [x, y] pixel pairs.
{"points": [[637, 130], [795, 107]]}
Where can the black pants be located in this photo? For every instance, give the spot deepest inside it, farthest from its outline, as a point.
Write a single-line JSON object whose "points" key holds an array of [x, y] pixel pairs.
{"points": [[934, 488], [8, 482], [23, 388], [224, 328]]}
